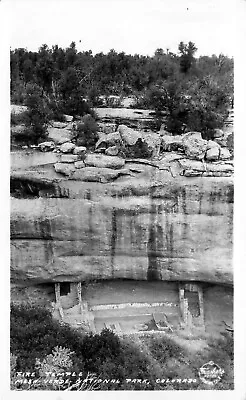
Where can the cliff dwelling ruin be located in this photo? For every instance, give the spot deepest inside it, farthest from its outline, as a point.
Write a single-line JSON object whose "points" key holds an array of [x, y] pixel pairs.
{"points": [[126, 306]]}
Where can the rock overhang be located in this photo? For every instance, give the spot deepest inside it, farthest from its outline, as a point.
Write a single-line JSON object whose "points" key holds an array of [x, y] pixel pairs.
{"points": [[181, 228]]}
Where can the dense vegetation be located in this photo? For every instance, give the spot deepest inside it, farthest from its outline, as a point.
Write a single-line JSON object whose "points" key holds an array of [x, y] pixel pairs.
{"points": [[41, 345], [193, 93]]}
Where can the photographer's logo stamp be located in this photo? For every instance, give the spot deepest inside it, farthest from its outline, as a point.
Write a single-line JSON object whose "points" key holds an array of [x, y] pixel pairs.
{"points": [[210, 373]]}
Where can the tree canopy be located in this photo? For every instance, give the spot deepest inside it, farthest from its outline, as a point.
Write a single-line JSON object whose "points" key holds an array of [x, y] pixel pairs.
{"points": [[186, 87]]}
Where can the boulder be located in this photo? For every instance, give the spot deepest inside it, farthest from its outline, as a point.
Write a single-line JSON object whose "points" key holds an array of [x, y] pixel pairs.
{"points": [[220, 167], [136, 144], [227, 140], [15, 129], [170, 157], [212, 154], [79, 164], [213, 151], [112, 139], [100, 150], [140, 149], [192, 134], [230, 142], [192, 165], [192, 173], [64, 168], [153, 142], [59, 136], [68, 118], [171, 143], [59, 125], [112, 151], [100, 135], [80, 150], [212, 174], [98, 174], [163, 132], [221, 141], [102, 161], [128, 135], [211, 144], [131, 143], [67, 147], [224, 154], [107, 127], [16, 109], [218, 133], [218, 174], [69, 158], [194, 146], [198, 168], [46, 146]]}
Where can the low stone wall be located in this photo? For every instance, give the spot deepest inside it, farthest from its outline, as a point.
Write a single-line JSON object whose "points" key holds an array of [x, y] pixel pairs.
{"points": [[131, 305]]}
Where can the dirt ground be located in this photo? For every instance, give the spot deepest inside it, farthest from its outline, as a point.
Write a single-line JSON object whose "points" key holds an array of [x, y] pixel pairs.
{"points": [[218, 305], [124, 291], [113, 305]]}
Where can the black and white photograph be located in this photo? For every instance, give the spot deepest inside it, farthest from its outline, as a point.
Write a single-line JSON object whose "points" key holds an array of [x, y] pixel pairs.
{"points": [[121, 196]]}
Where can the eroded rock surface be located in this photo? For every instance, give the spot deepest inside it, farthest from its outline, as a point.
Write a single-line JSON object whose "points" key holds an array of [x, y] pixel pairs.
{"points": [[46, 146], [67, 147], [96, 174], [130, 142], [59, 136], [64, 168], [150, 226], [101, 161]]}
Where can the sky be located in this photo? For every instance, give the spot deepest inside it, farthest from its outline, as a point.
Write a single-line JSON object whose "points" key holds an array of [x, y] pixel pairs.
{"points": [[132, 26]]}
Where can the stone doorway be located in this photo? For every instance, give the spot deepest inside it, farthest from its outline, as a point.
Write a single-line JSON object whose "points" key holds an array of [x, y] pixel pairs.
{"points": [[65, 288], [191, 305], [193, 302]]}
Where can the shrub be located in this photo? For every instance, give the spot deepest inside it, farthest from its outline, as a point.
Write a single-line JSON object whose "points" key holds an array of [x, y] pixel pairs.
{"points": [[34, 334], [38, 114], [18, 119], [140, 102], [94, 97], [163, 348], [48, 371], [98, 348], [13, 363], [56, 110], [198, 105], [222, 349], [206, 107], [113, 101], [87, 131], [74, 105], [58, 361], [18, 92]]}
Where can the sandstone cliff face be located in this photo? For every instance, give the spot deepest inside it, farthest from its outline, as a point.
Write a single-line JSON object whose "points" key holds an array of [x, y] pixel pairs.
{"points": [[158, 228]]}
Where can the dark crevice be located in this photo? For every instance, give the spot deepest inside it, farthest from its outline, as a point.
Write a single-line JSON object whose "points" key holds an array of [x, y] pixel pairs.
{"points": [[113, 239], [27, 188], [153, 273]]}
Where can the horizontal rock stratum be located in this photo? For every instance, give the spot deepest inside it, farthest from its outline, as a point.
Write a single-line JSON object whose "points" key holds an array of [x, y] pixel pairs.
{"points": [[143, 229]]}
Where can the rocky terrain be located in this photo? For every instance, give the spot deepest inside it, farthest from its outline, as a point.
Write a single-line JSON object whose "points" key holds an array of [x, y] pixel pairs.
{"points": [[144, 206], [167, 216]]}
